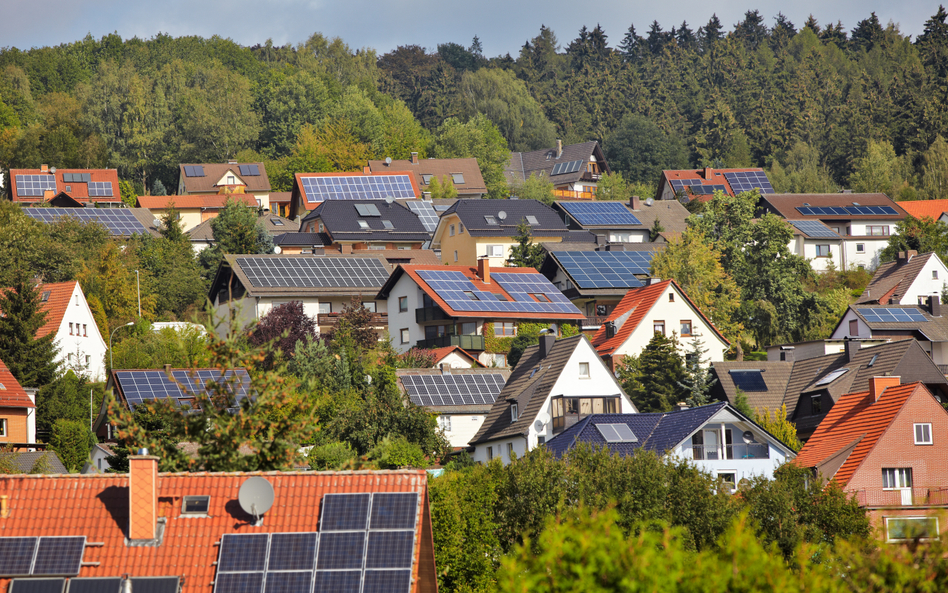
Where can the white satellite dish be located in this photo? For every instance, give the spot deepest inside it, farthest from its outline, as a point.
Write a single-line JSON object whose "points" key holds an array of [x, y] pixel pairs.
{"points": [[388, 160], [649, 201], [538, 426], [52, 170], [543, 417], [256, 497], [749, 437], [502, 215], [389, 199], [277, 249]]}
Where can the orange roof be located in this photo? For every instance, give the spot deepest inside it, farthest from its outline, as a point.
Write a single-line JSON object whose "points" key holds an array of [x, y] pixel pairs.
{"points": [[97, 506], [854, 416], [12, 394], [441, 353], [78, 190], [707, 176], [923, 208], [206, 201], [54, 304]]}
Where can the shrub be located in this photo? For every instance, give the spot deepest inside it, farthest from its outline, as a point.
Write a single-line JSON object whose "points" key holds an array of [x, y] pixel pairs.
{"points": [[331, 456], [393, 454], [73, 441]]}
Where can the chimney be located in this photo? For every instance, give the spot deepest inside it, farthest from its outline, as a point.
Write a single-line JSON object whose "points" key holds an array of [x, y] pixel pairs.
{"points": [[483, 269], [901, 255], [934, 305], [445, 368], [708, 173], [231, 162], [681, 406], [601, 240], [652, 281], [142, 496], [635, 203], [44, 168], [546, 344], [559, 148], [852, 348], [877, 385], [414, 158], [911, 253]]}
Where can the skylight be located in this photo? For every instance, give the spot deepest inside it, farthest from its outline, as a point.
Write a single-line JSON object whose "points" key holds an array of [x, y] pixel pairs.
{"points": [[832, 376], [617, 433], [490, 219]]}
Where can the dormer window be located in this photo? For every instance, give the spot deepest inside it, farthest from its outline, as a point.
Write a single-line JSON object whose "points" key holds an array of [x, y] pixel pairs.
{"points": [[513, 412], [195, 505]]}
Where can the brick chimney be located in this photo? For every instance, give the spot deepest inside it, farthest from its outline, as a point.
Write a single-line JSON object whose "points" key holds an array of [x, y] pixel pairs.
{"points": [[877, 385], [44, 168], [483, 269], [708, 173], [910, 254], [414, 158], [635, 203], [142, 496]]}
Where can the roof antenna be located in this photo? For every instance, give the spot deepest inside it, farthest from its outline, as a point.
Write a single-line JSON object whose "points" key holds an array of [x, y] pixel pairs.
{"points": [[256, 498]]}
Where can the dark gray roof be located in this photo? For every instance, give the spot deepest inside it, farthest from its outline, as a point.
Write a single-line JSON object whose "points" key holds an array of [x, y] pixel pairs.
{"points": [[307, 239], [541, 162], [341, 219], [473, 212], [27, 460], [933, 329]]}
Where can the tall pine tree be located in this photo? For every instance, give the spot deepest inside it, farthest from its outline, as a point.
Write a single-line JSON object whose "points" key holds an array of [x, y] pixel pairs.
{"points": [[30, 359]]}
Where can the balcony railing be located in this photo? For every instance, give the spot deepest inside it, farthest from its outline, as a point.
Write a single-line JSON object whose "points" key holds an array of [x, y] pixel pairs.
{"points": [[431, 314], [741, 451], [329, 320], [574, 195], [587, 176], [467, 342], [594, 322], [917, 496]]}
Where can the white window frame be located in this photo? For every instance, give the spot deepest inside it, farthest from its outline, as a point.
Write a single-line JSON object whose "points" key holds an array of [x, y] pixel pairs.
{"points": [[444, 422], [370, 306], [820, 250], [510, 452], [455, 255], [514, 412], [891, 540], [500, 359], [934, 274], [326, 306], [584, 370], [894, 478], [405, 335], [728, 472], [495, 251], [920, 429], [451, 230]]}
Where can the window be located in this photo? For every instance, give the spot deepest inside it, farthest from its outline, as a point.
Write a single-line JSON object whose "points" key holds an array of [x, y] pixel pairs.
{"points": [[822, 251], [405, 335], [77, 300], [455, 255], [567, 411], [426, 179], [505, 329], [584, 370], [45, 296], [444, 423], [88, 359], [458, 178], [470, 295], [325, 308], [860, 247], [729, 480], [510, 451], [686, 327], [495, 251], [490, 220], [923, 434], [816, 405], [490, 453], [3, 427], [532, 220], [900, 529], [460, 229], [513, 412], [363, 224], [934, 274], [853, 327], [882, 231], [468, 328], [85, 330], [322, 229], [195, 505], [231, 180], [70, 329], [402, 304], [658, 327], [500, 360], [376, 247], [898, 477], [370, 306], [671, 297], [451, 230], [388, 224]]}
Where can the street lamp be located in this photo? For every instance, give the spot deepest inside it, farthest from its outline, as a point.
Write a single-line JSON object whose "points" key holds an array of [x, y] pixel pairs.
{"points": [[110, 340], [138, 284]]}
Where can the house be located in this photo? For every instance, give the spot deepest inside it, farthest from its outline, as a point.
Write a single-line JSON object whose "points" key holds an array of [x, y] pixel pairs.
{"points": [[193, 209], [202, 236], [230, 177], [295, 243], [555, 385], [661, 307], [312, 189], [191, 532], [358, 225], [460, 397], [473, 229], [280, 203], [464, 174], [885, 447], [595, 278], [17, 410], [700, 184], [121, 223], [810, 388], [574, 169], [478, 309], [717, 438], [858, 225], [910, 279], [934, 209], [924, 323], [617, 222], [455, 357], [36, 186], [99, 458]]}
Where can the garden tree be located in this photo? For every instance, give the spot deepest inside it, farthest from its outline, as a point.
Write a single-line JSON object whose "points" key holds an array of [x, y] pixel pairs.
{"points": [[697, 381], [525, 254], [442, 190], [30, 358], [280, 330], [66, 398], [778, 425], [287, 100], [655, 232], [329, 147], [799, 171], [72, 440], [477, 138], [533, 188], [111, 288], [661, 371], [355, 326], [237, 230], [924, 235], [525, 338], [741, 404], [174, 275], [612, 186], [158, 188], [390, 131], [640, 150], [934, 178], [215, 115], [143, 347], [879, 170]]}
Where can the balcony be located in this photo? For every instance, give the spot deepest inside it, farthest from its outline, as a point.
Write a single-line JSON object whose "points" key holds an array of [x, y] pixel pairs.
{"points": [[587, 176], [465, 342], [574, 195], [902, 497], [327, 321], [742, 451], [594, 322], [431, 314]]}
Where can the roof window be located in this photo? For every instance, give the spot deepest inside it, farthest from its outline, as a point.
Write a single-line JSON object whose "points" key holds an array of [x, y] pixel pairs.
{"points": [[426, 179], [532, 220], [45, 296], [363, 224], [490, 219], [830, 377], [195, 505], [388, 224], [471, 295], [367, 210], [458, 178], [276, 222], [617, 433]]}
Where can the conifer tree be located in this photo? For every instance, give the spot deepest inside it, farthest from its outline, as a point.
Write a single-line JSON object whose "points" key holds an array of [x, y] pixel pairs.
{"points": [[30, 359], [698, 380]]}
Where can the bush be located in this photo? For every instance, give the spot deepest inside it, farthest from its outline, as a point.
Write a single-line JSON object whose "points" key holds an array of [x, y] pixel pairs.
{"points": [[73, 441], [393, 454], [331, 456]]}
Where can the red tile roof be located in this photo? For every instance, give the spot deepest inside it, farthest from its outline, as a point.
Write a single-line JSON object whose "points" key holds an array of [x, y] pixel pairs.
{"points": [[77, 191], [12, 394], [441, 353], [206, 201], [923, 208], [855, 416], [97, 506], [55, 305], [707, 176]]}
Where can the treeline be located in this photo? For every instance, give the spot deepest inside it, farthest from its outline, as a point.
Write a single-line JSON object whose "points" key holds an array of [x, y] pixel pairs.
{"points": [[820, 106]]}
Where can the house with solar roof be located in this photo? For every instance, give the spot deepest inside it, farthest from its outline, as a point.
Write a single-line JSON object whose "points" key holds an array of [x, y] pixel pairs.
{"points": [[574, 169], [312, 189], [358, 225], [464, 174], [461, 397], [193, 209], [87, 186], [884, 446], [700, 184], [852, 228], [435, 306], [121, 223], [924, 323], [230, 177], [910, 279], [658, 307], [156, 532], [555, 385], [17, 410], [717, 438]]}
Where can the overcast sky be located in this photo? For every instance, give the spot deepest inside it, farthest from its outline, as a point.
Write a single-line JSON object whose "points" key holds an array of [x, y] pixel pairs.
{"points": [[502, 25]]}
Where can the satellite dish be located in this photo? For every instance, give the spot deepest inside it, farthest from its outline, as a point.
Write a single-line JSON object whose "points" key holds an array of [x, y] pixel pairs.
{"points": [[649, 201], [277, 249], [255, 496], [543, 418], [389, 199], [538, 426], [388, 160], [749, 437], [52, 170], [502, 215]]}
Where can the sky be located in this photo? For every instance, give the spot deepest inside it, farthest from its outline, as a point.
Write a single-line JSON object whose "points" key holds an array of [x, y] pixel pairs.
{"points": [[502, 25]]}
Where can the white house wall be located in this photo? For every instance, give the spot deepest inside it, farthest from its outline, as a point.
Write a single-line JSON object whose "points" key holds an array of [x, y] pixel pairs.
{"points": [[842, 331], [463, 427], [398, 320], [500, 449], [745, 468], [868, 258], [925, 284], [83, 352]]}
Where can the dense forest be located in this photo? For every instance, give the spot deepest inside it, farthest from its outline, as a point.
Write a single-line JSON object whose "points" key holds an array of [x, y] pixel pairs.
{"points": [[820, 106]]}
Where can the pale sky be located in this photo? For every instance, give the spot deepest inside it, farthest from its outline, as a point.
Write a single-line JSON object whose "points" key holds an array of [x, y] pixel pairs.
{"points": [[503, 26]]}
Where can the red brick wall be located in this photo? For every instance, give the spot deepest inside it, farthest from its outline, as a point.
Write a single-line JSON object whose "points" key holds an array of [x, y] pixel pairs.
{"points": [[16, 425]]}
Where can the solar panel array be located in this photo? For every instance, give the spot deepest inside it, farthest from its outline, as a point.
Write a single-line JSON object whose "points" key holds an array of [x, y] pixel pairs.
{"points": [[742, 181], [40, 556], [706, 190], [831, 376], [39, 586], [680, 184], [600, 213], [95, 585], [77, 177], [119, 221], [617, 433], [605, 269], [314, 272], [141, 386], [366, 542], [34, 185], [567, 167], [451, 286], [887, 315], [100, 189], [194, 171], [425, 212], [249, 170], [748, 380], [814, 229], [847, 211], [453, 390], [356, 187]]}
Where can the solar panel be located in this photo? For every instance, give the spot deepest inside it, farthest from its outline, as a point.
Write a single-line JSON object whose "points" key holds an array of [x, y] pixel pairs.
{"points": [[76, 177], [680, 184], [249, 170], [340, 581], [16, 555], [385, 581], [344, 512], [287, 582], [243, 553], [314, 272], [600, 213], [341, 550], [238, 582], [194, 171], [567, 167], [742, 181], [37, 586], [617, 433], [154, 584], [59, 555], [425, 212], [830, 377], [357, 187], [814, 229], [141, 386], [748, 380], [390, 549], [394, 510], [367, 210], [100, 189], [605, 269], [706, 190], [34, 185], [119, 222], [847, 211], [95, 585], [453, 390], [292, 551], [457, 291], [892, 315]]}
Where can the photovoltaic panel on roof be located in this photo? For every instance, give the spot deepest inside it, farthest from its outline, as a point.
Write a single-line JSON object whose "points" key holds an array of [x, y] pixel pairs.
{"points": [[892, 315], [292, 551], [453, 390], [287, 582], [831, 376], [314, 272], [385, 581], [76, 178], [238, 582], [847, 211], [337, 581], [390, 549], [357, 187], [452, 285], [367, 210], [100, 189], [140, 386], [249, 170], [706, 190], [194, 171], [425, 212], [567, 167], [600, 213], [16, 555], [742, 181], [748, 380], [155, 584], [243, 553], [394, 510], [119, 221], [814, 229], [34, 185], [680, 184], [95, 585], [37, 586], [344, 512], [605, 269], [341, 550], [59, 555]]}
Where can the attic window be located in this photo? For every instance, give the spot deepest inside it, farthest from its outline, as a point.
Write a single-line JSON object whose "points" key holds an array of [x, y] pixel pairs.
{"points": [[276, 222], [388, 224], [500, 297], [363, 224], [873, 361], [830, 377], [45, 296], [617, 433], [426, 179], [195, 505], [532, 220], [457, 177], [3, 387], [367, 210], [540, 297], [490, 219], [513, 412]]}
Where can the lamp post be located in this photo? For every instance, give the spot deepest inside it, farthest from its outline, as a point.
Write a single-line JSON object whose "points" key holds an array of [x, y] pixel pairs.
{"points": [[110, 340], [138, 284]]}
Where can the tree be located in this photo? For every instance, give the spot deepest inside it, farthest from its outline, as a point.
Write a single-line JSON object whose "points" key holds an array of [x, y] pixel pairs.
{"points": [[867, 34], [143, 347], [219, 120], [661, 371], [777, 424], [355, 326], [282, 328], [741, 404], [751, 31], [640, 150], [934, 178], [631, 46], [237, 230], [799, 171], [924, 235], [442, 190], [127, 191], [533, 188], [697, 380], [655, 232], [72, 440], [174, 274], [66, 398], [525, 254], [612, 186], [477, 138], [879, 170], [31, 359], [158, 188]]}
